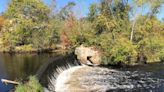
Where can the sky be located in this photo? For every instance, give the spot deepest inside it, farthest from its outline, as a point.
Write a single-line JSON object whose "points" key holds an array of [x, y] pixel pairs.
{"points": [[3, 5], [82, 6], [81, 9]]}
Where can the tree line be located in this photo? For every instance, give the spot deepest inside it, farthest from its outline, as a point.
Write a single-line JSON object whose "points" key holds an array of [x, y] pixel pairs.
{"points": [[122, 29]]}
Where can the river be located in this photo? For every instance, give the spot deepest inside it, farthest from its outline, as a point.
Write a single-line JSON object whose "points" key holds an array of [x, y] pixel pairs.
{"points": [[20, 66]]}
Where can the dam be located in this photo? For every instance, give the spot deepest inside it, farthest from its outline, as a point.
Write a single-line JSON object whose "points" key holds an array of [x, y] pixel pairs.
{"points": [[69, 76]]}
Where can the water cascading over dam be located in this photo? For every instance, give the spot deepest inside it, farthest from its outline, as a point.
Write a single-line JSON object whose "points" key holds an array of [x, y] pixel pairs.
{"points": [[101, 79]]}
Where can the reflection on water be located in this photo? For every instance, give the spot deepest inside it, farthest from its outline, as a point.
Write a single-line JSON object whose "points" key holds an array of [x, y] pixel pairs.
{"points": [[3, 74], [19, 66]]}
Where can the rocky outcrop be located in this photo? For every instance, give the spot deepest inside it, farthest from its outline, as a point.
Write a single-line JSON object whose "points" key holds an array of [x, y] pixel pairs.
{"points": [[88, 55]]}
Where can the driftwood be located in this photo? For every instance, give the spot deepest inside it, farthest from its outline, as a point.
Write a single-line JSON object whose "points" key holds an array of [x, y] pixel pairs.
{"points": [[9, 81]]}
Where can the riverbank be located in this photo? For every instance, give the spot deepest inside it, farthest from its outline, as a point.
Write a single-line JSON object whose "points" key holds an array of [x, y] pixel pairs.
{"points": [[30, 50]]}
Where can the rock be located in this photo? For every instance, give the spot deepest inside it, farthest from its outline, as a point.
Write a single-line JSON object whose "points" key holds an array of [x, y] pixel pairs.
{"points": [[88, 55]]}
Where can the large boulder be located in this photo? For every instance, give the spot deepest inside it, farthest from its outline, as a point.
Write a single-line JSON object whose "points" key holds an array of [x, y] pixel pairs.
{"points": [[88, 55]]}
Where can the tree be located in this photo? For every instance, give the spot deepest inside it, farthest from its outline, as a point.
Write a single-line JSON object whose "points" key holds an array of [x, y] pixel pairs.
{"points": [[148, 37], [93, 12], [115, 28], [2, 20], [66, 11], [152, 11], [28, 23]]}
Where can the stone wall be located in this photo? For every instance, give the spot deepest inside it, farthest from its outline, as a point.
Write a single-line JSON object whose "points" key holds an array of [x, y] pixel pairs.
{"points": [[88, 54]]}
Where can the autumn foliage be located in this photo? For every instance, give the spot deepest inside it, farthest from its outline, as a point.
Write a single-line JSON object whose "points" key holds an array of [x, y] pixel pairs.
{"points": [[121, 30], [2, 20]]}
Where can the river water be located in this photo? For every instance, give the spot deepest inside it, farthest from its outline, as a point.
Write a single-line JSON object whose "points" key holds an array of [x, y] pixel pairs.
{"points": [[19, 66]]}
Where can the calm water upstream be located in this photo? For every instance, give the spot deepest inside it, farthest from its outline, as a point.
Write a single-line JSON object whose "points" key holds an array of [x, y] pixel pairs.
{"points": [[19, 66]]}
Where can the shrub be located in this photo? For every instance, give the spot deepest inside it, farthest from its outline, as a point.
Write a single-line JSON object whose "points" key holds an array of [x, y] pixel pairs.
{"points": [[31, 86], [121, 51]]}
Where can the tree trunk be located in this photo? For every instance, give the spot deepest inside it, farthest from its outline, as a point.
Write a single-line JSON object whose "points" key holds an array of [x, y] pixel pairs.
{"points": [[132, 32]]}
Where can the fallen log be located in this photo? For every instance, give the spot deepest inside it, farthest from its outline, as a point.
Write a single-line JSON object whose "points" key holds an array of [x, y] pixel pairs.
{"points": [[9, 81]]}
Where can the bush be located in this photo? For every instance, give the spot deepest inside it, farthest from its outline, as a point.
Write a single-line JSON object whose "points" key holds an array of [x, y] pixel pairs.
{"points": [[152, 48], [25, 48], [32, 85], [122, 51]]}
